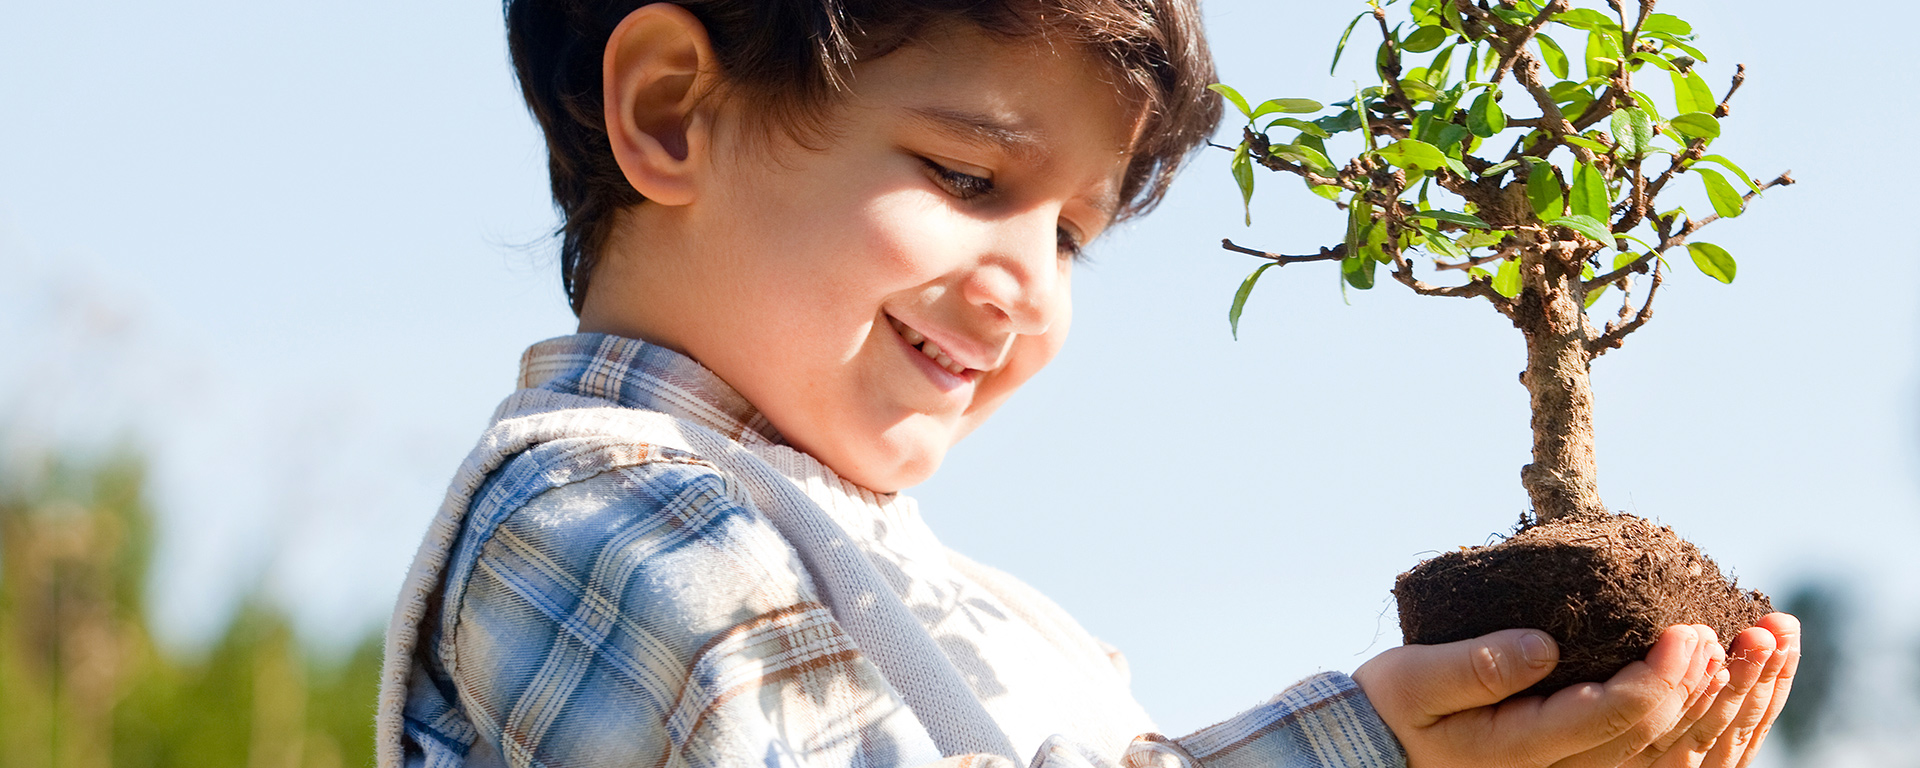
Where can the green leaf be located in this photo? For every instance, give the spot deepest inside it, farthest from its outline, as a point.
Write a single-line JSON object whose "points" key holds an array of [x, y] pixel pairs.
{"points": [[1485, 118], [1647, 103], [1666, 24], [1305, 127], [1632, 131], [1424, 39], [1303, 155], [1713, 260], [1736, 170], [1481, 238], [1442, 245], [1414, 155], [1499, 169], [1242, 167], [1340, 123], [1240, 298], [1690, 93], [1543, 190], [1698, 125], [1589, 195], [1233, 97], [1624, 258], [1359, 271], [1677, 43], [1506, 281], [1726, 201], [1441, 67], [1359, 222], [1342, 47], [1288, 106], [1553, 55], [1419, 90], [1462, 219], [1654, 59], [1587, 19], [1594, 295], [1327, 191], [1585, 225], [1603, 54], [1587, 144], [1446, 136]]}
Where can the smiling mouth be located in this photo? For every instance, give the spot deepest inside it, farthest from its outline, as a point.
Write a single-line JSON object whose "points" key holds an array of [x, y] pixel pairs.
{"points": [[927, 347]]}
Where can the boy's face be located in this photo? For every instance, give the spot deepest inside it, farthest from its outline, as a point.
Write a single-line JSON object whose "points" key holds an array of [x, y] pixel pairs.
{"points": [[879, 296]]}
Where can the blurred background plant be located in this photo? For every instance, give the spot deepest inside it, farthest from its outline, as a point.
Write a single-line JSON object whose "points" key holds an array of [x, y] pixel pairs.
{"points": [[83, 684]]}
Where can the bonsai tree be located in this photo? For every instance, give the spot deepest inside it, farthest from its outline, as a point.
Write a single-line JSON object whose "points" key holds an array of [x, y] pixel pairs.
{"points": [[1490, 164]]}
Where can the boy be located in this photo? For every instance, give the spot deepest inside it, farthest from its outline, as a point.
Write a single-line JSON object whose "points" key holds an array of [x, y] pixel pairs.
{"points": [[813, 243]]}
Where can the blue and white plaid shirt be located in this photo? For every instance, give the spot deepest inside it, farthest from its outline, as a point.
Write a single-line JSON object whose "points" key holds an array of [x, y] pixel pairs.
{"points": [[592, 597]]}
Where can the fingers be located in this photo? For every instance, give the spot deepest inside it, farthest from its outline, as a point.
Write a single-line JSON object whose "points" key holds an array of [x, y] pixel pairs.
{"points": [[1778, 677], [1658, 703], [1727, 702], [1754, 654], [1786, 633], [1696, 729], [1425, 683]]}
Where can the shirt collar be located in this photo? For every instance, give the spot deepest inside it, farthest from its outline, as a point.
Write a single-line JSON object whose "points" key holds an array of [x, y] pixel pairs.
{"points": [[636, 374]]}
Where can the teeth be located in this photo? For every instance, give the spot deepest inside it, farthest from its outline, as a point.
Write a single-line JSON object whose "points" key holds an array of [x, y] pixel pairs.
{"points": [[928, 348]]}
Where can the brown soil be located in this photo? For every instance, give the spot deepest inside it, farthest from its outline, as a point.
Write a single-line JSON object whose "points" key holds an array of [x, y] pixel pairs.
{"points": [[1605, 586]]}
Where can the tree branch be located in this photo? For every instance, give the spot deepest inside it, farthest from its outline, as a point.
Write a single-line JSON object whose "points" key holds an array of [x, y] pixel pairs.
{"points": [[1667, 242], [1499, 255], [1527, 71], [1335, 253], [1475, 288], [1618, 330], [1518, 42], [1258, 148], [1391, 68]]}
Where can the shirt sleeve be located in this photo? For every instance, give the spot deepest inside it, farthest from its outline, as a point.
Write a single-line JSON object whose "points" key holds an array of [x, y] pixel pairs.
{"points": [[642, 617]]}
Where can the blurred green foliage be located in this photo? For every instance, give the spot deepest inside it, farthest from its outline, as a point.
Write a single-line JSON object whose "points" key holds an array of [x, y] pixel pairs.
{"points": [[84, 685]]}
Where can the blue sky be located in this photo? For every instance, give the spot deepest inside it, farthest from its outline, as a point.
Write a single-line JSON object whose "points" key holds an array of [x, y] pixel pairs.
{"points": [[294, 251]]}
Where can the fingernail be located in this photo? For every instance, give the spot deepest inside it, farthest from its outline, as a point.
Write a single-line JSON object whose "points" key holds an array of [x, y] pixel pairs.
{"points": [[1537, 649]]}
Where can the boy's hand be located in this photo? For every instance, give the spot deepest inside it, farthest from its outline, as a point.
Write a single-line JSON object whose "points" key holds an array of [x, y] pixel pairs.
{"points": [[1673, 709]]}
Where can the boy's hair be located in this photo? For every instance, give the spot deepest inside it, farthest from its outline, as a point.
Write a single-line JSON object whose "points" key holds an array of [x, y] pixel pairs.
{"points": [[790, 58]]}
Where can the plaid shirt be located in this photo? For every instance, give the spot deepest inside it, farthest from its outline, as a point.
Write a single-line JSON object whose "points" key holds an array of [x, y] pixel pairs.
{"points": [[595, 601]]}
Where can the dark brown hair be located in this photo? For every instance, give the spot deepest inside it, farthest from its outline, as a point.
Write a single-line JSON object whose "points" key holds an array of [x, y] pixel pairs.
{"points": [[792, 57]]}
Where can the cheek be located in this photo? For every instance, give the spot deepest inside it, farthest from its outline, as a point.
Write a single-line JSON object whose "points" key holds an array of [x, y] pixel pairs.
{"points": [[1030, 354]]}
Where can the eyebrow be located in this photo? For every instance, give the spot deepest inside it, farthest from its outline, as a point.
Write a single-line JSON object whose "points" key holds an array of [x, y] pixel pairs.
{"points": [[998, 134], [982, 129]]}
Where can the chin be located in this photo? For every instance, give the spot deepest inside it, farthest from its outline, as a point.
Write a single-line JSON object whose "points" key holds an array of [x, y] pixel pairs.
{"points": [[903, 461], [897, 473]]}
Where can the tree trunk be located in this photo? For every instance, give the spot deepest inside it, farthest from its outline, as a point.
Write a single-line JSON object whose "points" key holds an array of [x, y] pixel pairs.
{"points": [[1562, 480]]}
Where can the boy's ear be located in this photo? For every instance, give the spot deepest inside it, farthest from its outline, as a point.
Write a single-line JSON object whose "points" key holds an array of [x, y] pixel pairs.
{"points": [[658, 64]]}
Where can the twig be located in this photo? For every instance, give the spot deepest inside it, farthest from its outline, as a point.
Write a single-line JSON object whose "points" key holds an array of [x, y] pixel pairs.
{"points": [[1476, 288], [1739, 79], [1667, 242], [1391, 68], [1335, 253], [1618, 331], [1499, 255]]}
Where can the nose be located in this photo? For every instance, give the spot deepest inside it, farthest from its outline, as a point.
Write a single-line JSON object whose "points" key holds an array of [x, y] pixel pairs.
{"points": [[1021, 280]]}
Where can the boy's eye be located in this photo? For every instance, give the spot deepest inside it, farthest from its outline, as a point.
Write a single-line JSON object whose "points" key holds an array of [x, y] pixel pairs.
{"points": [[1070, 246], [965, 186]]}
